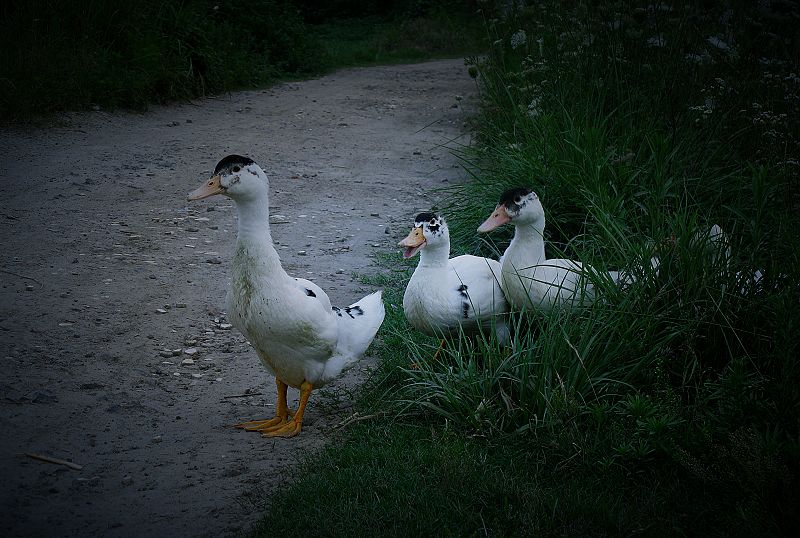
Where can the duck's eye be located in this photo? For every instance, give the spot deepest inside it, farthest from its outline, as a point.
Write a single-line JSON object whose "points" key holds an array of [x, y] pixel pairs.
{"points": [[518, 199], [432, 222], [236, 169]]}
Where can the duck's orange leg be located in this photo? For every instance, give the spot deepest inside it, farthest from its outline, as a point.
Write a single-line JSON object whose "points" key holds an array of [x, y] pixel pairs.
{"points": [[292, 427], [281, 413]]}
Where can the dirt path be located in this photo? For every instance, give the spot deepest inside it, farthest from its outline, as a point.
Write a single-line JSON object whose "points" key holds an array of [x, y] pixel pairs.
{"points": [[121, 271]]}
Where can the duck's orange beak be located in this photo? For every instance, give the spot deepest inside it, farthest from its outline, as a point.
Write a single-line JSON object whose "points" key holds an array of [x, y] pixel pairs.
{"points": [[413, 242], [209, 188], [495, 220]]}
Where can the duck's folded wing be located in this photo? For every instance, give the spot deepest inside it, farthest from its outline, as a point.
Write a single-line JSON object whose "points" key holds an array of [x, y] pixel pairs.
{"points": [[358, 324], [479, 286], [315, 293]]}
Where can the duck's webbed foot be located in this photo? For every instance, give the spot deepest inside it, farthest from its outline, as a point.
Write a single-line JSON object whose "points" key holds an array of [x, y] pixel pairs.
{"points": [[281, 418], [290, 428]]}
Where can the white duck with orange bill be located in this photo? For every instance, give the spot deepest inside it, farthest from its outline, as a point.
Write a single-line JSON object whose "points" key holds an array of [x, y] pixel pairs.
{"points": [[300, 338], [448, 295]]}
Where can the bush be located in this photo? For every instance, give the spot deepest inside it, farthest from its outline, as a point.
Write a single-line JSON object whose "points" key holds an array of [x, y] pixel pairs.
{"points": [[61, 54]]}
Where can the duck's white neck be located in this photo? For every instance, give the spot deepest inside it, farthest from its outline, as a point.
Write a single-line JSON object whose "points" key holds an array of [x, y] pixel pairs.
{"points": [[529, 238], [435, 255], [254, 239], [254, 220]]}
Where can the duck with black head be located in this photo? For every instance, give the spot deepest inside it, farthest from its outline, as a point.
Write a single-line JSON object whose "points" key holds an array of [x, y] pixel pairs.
{"points": [[301, 339], [447, 295], [530, 280]]}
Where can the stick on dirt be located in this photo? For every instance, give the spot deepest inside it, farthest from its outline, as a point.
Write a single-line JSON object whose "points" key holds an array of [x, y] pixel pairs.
{"points": [[57, 461]]}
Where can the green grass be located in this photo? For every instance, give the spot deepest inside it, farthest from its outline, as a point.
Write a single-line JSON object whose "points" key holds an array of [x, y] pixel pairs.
{"points": [[669, 407]]}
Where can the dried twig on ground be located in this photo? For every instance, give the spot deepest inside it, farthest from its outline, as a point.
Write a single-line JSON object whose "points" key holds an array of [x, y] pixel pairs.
{"points": [[57, 461]]}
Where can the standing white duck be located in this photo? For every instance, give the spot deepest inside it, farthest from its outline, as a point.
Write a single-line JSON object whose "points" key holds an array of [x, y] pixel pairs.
{"points": [[446, 294], [300, 338], [529, 280]]}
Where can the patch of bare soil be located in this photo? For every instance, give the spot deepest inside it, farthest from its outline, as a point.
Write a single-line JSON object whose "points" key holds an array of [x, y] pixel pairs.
{"points": [[116, 353]]}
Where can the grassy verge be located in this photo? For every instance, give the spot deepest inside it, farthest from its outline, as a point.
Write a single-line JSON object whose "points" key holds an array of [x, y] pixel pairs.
{"points": [[668, 407], [59, 55]]}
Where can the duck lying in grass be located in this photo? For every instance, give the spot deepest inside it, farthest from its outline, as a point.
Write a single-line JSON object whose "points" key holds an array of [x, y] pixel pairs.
{"points": [[530, 280], [301, 339], [448, 295]]}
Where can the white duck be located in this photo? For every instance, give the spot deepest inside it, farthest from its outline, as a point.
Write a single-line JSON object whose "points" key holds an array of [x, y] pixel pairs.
{"points": [[446, 294], [301, 339], [529, 280]]}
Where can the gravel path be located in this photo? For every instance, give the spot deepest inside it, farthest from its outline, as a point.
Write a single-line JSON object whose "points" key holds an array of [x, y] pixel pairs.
{"points": [[116, 354]]}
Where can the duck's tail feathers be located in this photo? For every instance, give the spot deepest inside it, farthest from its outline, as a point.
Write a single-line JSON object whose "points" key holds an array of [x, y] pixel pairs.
{"points": [[358, 324]]}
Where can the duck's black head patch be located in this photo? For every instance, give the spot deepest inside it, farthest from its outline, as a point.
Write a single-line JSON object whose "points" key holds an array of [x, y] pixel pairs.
{"points": [[509, 197], [232, 160], [425, 217], [432, 220]]}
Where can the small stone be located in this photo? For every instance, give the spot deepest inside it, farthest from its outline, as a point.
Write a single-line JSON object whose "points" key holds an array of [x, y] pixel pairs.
{"points": [[417, 153], [225, 326], [374, 214], [160, 311], [214, 261], [127, 480], [340, 271], [176, 374], [28, 287], [180, 305], [190, 351], [156, 439], [187, 362], [167, 353], [197, 376], [192, 230], [302, 253]]}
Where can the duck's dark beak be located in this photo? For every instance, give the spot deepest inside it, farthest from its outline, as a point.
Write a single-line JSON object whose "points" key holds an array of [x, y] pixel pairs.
{"points": [[495, 220], [209, 188]]}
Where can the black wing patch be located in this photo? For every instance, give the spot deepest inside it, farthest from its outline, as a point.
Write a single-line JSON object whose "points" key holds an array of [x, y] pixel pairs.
{"points": [[351, 311], [462, 290], [354, 311], [310, 293]]}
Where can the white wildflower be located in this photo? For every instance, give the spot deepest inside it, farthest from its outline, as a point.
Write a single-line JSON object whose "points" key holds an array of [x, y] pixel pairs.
{"points": [[518, 39], [533, 107]]}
